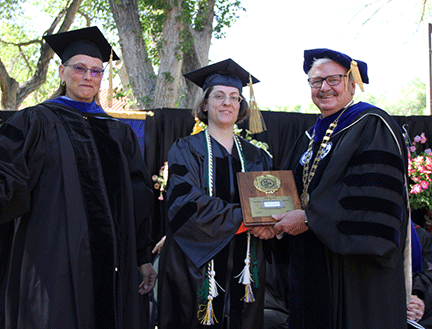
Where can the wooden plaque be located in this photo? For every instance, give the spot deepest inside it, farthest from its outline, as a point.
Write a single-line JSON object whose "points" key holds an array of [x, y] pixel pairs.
{"points": [[266, 193]]}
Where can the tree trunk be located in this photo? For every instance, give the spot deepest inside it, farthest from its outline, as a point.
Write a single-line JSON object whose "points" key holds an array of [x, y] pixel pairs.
{"points": [[168, 80], [9, 87], [134, 52], [169, 89], [124, 79], [198, 54]]}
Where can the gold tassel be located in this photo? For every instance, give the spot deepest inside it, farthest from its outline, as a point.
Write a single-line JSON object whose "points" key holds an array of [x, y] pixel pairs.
{"points": [[110, 88], [209, 318], [356, 75], [249, 296], [256, 121]]}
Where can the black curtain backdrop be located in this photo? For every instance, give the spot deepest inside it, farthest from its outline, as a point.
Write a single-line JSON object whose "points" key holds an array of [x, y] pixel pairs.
{"points": [[167, 125]]}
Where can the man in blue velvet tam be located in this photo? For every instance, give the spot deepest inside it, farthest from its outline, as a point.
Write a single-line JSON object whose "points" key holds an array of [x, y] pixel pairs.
{"points": [[347, 245]]}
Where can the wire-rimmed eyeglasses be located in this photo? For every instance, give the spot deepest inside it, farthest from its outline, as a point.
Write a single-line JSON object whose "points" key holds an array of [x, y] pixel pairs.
{"points": [[82, 70], [222, 97], [332, 80]]}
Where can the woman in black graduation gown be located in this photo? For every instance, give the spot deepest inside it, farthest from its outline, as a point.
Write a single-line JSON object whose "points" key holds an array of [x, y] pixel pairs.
{"points": [[206, 241], [76, 178]]}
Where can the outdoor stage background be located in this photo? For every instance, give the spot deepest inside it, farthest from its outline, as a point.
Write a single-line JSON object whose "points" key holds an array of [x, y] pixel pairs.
{"points": [[157, 133], [167, 125]]}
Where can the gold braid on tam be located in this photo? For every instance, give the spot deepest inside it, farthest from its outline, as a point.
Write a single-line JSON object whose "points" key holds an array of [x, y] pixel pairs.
{"points": [[110, 87], [256, 121], [354, 70]]}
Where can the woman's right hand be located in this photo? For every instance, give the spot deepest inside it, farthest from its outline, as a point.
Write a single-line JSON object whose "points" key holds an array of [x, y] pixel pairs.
{"points": [[263, 232]]}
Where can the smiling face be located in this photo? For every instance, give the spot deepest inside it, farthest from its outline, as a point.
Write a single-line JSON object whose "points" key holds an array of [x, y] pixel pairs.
{"points": [[222, 113], [331, 99], [79, 87]]}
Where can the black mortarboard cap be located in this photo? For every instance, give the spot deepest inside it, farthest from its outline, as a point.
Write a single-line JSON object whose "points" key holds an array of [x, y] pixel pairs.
{"points": [[87, 41], [312, 54], [225, 73]]}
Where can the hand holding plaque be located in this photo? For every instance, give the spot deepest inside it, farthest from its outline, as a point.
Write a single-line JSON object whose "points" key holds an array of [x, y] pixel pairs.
{"points": [[266, 193]]}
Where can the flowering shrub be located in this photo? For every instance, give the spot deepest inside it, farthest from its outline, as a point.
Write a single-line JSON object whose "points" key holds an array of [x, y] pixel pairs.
{"points": [[257, 143], [419, 171]]}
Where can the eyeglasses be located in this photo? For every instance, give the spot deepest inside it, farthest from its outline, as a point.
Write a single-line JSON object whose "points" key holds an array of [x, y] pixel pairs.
{"points": [[82, 70], [332, 80], [222, 97]]}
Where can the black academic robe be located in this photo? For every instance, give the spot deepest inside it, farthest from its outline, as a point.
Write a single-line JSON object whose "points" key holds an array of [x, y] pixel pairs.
{"points": [[80, 189], [203, 227], [422, 280], [346, 271]]}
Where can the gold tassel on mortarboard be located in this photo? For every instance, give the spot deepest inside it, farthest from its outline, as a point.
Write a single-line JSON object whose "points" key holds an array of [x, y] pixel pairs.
{"points": [[256, 121], [110, 87], [356, 75]]}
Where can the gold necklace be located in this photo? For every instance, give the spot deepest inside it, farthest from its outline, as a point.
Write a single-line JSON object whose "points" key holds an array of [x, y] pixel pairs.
{"points": [[308, 176]]}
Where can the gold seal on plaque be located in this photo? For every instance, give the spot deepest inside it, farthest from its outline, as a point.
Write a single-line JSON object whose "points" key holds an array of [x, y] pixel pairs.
{"points": [[267, 183]]}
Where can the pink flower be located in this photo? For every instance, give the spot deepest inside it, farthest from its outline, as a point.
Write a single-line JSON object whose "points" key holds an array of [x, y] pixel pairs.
{"points": [[412, 149], [416, 189], [418, 160], [423, 138], [424, 185]]}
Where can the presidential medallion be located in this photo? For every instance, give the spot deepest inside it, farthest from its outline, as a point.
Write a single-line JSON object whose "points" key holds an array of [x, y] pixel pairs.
{"points": [[304, 199], [267, 184]]}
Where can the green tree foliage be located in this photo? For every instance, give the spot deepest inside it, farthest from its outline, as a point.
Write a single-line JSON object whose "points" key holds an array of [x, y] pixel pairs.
{"points": [[9, 8], [23, 23], [19, 47], [409, 99]]}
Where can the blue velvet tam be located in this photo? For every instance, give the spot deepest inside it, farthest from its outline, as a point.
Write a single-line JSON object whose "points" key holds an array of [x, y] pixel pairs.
{"points": [[313, 54], [224, 73], [87, 41]]}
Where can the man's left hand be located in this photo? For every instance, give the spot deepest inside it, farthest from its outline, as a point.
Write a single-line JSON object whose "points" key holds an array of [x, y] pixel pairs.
{"points": [[149, 278], [416, 308]]}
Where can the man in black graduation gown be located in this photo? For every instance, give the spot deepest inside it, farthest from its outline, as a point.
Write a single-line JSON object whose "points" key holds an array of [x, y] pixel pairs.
{"points": [[75, 179], [347, 245]]}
